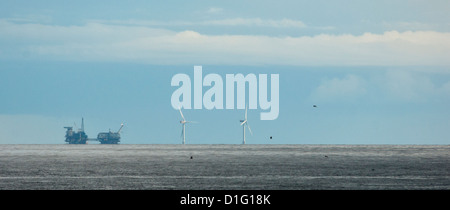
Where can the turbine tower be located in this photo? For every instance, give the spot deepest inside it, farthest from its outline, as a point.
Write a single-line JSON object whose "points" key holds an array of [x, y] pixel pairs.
{"points": [[244, 123], [183, 124]]}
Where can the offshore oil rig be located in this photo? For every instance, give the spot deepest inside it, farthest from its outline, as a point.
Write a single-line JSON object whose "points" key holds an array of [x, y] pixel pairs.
{"points": [[110, 137], [76, 137], [80, 137]]}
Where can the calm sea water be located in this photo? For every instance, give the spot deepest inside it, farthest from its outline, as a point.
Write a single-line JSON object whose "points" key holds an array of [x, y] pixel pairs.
{"points": [[220, 167]]}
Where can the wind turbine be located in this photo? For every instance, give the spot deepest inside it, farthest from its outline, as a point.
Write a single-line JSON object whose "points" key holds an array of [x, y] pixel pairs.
{"points": [[183, 123], [244, 123]]}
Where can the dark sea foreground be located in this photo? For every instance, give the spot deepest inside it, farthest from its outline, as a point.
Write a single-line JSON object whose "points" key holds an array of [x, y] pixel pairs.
{"points": [[225, 167]]}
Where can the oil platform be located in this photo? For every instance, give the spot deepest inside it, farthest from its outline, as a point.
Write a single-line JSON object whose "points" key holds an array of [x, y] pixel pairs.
{"points": [[76, 137], [80, 137], [110, 137]]}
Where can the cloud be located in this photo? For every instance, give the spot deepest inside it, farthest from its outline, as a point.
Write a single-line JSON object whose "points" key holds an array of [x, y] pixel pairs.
{"points": [[248, 22], [214, 10], [349, 87], [131, 43], [413, 86], [413, 25], [284, 23], [31, 18]]}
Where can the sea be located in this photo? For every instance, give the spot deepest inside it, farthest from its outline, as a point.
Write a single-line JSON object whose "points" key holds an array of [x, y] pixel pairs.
{"points": [[224, 167]]}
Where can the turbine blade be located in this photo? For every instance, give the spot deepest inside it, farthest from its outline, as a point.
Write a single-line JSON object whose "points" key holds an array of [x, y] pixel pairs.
{"points": [[181, 114], [245, 112], [248, 126], [191, 122], [244, 122]]}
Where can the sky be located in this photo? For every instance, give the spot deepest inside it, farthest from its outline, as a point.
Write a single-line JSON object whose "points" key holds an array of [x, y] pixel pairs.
{"points": [[377, 71]]}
